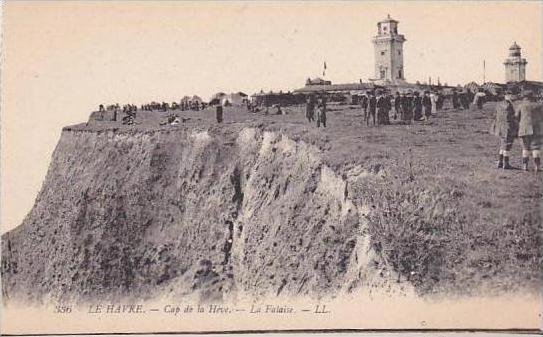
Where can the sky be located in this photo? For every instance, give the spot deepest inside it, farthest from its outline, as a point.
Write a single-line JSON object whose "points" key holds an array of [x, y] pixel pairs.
{"points": [[61, 59]]}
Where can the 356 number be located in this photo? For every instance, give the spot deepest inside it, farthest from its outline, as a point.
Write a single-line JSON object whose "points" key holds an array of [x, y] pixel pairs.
{"points": [[63, 309]]}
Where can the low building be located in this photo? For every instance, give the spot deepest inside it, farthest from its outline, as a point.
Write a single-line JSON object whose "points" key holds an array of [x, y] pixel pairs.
{"points": [[235, 98], [518, 87], [217, 98], [271, 98], [317, 81], [334, 88]]}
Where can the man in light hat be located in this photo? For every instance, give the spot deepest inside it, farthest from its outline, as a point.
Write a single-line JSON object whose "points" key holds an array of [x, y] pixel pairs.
{"points": [[530, 116], [433, 102], [479, 98], [505, 126], [417, 107]]}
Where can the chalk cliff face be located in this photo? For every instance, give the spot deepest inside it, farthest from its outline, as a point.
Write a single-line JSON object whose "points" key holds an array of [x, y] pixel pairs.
{"points": [[206, 213]]}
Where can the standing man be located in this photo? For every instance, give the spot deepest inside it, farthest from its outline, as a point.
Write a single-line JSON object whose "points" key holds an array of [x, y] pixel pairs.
{"points": [[427, 104], [454, 99], [364, 104], [407, 107], [398, 105], [466, 98], [479, 99], [218, 113], [310, 108], [382, 107], [505, 126], [433, 101], [417, 107], [440, 100], [372, 106], [389, 99], [530, 115], [321, 114]]}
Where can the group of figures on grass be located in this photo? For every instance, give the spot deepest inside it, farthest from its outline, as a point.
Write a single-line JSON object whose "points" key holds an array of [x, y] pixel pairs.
{"points": [[407, 106], [129, 110], [316, 110], [519, 117]]}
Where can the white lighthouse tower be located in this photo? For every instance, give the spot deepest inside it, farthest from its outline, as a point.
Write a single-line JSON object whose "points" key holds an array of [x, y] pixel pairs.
{"points": [[388, 45], [515, 65]]}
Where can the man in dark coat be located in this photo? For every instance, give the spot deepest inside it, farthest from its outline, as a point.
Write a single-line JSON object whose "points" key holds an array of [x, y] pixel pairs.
{"points": [[530, 116], [407, 107], [382, 108], [398, 105], [439, 100], [427, 105], [364, 104], [372, 106], [505, 126], [464, 100], [321, 114], [455, 99], [310, 108], [417, 107], [388, 102], [218, 113]]}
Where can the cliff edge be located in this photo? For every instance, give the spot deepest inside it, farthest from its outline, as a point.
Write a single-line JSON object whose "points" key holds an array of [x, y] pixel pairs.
{"points": [[216, 212]]}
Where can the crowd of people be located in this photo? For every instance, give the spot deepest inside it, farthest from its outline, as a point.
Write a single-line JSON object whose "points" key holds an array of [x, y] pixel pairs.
{"points": [[154, 106], [413, 105], [377, 105], [129, 110], [516, 116]]}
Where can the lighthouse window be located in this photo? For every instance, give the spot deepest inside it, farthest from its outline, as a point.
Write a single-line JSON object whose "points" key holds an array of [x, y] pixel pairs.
{"points": [[383, 52], [399, 52]]}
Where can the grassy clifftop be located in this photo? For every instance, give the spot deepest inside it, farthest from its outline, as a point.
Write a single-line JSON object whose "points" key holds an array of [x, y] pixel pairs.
{"points": [[270, 205]]}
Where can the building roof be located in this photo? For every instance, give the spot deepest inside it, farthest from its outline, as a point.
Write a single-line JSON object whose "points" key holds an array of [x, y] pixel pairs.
{"points": [[335, 87], [317, 81], [526, 83], [472, 86], [388, 19], [239, 93], [218, 95], [271, 93], [514, 46]]}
